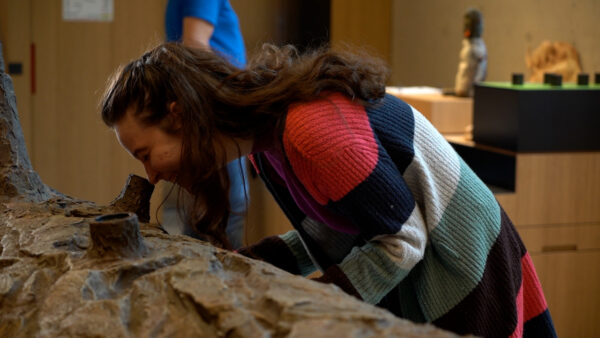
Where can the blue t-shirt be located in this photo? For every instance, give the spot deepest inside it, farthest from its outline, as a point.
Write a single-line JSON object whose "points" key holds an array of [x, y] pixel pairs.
{"points": [[226, 38]]}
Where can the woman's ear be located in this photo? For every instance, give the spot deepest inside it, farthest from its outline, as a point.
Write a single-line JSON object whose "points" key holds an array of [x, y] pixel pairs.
{"points": [[175, 115]]}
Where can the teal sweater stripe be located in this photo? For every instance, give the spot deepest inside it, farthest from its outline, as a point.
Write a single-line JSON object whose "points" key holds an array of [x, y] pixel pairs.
{"points": [[459, 245], [372, 273]]}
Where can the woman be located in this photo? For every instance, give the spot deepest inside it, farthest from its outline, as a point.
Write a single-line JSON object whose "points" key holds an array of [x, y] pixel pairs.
{"points": [[380, 202]]}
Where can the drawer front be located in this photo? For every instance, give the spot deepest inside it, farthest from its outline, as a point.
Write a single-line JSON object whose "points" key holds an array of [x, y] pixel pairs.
{"points": [[561, 238], [571, 284]]}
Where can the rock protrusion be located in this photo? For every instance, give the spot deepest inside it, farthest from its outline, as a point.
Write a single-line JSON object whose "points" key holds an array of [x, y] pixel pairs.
{"points": [[17, 177], [135, 197], [116, 235]]}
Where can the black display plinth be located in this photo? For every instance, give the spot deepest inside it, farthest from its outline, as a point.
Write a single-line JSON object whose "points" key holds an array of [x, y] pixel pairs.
{"points": [[536, 117]]}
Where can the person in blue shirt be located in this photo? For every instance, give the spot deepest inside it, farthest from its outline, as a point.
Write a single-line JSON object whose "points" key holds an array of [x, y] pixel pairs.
{"points": [[206, 23], [214, 24]]}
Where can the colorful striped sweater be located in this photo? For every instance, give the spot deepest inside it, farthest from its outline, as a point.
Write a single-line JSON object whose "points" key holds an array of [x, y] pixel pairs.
{"points": [[390, 213]]}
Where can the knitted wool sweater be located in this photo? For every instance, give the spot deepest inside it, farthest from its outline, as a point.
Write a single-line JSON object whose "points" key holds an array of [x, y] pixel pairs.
{"points": [[390, 213]]}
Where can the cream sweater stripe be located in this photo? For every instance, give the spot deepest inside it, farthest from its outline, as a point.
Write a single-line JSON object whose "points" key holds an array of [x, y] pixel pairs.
{"points": [[432, 188]]}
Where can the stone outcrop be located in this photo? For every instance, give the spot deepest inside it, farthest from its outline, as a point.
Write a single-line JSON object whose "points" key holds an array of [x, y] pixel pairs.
{"points": [[71, 268]]}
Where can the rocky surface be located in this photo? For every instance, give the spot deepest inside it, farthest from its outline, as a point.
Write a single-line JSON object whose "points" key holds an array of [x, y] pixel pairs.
{"points": [[57, 280]]}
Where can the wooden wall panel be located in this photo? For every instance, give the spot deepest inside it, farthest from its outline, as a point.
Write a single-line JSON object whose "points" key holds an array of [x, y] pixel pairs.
{"points": [[364, 24], [557, 188], [138, 26], [260, 22], [45, 140], [553, 238], [15, 35], [73, 151], [571, 283]]}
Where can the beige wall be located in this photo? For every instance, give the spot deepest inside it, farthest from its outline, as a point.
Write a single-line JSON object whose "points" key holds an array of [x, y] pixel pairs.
{"points": [[426, 36], [365, 24], [260, 21], [68, 144]]}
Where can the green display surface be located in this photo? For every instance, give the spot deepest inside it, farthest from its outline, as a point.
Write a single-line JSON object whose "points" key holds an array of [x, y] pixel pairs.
{"points": [[539, 86]]}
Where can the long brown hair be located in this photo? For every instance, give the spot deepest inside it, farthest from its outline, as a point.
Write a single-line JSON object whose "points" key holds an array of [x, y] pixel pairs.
{"points": [[216, 98]]}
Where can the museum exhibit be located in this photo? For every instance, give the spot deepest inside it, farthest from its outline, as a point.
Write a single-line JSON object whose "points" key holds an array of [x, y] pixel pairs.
{"points": [[299, 168]]}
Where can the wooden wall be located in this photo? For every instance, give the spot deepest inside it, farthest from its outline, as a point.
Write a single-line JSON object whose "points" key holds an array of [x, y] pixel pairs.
{"points": [[68, 144], [363, 24], [426, 36], [15, 36]]}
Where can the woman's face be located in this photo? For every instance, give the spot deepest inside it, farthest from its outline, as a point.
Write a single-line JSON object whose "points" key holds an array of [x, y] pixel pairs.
{"points": [[159, 152]]}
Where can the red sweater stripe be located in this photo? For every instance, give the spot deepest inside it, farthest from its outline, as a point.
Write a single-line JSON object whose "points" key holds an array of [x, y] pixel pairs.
{"points": [[349, 131], [534, 300]]}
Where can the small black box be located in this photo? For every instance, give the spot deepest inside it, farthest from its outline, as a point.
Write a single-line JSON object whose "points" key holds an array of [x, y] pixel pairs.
{"points": [[597, 78], [517, 78], [555, 80], [547, 78], [583, 79], [15, 68]]}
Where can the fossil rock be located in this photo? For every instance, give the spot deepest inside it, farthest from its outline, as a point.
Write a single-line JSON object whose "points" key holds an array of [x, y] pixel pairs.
{"points": [[66, 272], [135, 196], [18, 180], [116, 235]]}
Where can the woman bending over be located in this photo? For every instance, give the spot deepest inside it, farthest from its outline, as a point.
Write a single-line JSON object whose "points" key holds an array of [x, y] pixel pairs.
{"points": [[379, 201]]}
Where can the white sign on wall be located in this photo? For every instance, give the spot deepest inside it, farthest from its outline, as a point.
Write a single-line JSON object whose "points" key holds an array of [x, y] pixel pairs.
{"points": [[87, 10]]}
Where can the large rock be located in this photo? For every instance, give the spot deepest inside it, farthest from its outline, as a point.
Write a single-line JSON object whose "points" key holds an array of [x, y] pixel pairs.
{"points": [[135, 280]]}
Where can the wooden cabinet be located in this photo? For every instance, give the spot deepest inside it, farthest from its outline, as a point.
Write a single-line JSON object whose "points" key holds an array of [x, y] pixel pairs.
{"points": [[555, 205], [571, 282], [567, 260], [550, 239], [553, 198]]}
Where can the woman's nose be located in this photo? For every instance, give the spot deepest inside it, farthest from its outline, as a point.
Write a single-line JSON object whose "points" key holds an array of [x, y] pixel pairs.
{"points": [[152, 175]]}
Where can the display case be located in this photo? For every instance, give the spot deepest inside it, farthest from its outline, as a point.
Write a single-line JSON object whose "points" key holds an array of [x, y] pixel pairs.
{"points": [[537, 117]]}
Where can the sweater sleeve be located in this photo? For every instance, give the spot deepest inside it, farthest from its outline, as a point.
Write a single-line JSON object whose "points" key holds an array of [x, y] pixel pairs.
{"points": [[285, 251], [333, 151]]}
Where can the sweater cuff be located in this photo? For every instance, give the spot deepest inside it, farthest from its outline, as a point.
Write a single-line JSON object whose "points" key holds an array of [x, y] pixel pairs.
{"points": [[272, 250], [334, 275]]}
